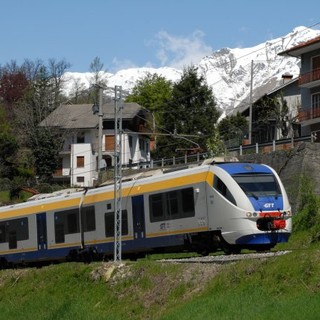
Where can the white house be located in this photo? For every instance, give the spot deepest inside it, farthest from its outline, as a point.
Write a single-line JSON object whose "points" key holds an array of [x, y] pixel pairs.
{"points": [[79, 128]]}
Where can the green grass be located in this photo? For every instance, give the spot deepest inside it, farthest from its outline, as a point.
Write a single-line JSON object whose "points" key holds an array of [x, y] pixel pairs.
{"points": [[4, 196], [287, 286]]}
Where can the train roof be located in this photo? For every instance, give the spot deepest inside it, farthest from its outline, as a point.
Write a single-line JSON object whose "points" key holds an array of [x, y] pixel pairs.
{"points": [[243, 167], [146, 173]]}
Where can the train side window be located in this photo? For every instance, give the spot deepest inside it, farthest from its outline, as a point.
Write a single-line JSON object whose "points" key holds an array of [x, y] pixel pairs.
{"points": [[109, 223], [12, 231], [89, 223], [156, 204], [20, 226], [188, 202], [219, 185], [59, 227], [59, 232], [72, 222], [13, 242], [3, 233], [172, 203], [177, 204], [66, 222]]}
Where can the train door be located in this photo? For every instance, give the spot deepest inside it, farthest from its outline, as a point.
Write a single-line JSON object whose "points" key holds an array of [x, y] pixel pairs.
{"points": [[42, 232], [138, 217]]}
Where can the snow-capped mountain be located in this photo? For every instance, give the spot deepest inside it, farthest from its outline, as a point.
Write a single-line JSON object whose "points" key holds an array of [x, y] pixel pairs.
{"points": [[228, 71]]}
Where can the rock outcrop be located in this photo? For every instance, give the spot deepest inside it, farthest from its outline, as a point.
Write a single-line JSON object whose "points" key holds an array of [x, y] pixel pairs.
{"points": [[292, 165]]}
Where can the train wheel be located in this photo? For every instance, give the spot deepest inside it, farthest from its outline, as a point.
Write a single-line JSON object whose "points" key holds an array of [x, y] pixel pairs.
{"points": [[3, 263], [229, 249], [263, 249]]}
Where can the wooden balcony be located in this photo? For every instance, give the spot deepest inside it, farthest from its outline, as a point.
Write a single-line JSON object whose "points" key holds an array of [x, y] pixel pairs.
{"points": [[306, 79], [309, 114]]}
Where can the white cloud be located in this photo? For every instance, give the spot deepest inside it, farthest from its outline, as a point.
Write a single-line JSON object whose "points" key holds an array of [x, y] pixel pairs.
{"points": [[179, 52], [122, 64]]}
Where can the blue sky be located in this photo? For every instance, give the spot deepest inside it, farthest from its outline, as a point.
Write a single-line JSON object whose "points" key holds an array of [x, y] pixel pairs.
{"points": [[137, 33]]}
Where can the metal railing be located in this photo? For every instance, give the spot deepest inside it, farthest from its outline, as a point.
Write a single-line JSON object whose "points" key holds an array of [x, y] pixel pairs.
{"points": [[310, 76], [275, 145]]}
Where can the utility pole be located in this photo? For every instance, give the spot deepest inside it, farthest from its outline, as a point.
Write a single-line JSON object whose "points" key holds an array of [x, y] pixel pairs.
{"points": [[100, 133], [117, 172], [99, 110], [251, 101]]}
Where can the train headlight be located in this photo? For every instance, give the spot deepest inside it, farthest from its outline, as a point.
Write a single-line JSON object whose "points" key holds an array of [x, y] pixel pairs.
{"points": [[287, 213], [249, 214]]}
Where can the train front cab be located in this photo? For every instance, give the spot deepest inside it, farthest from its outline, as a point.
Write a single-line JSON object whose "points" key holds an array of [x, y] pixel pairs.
{"points": [[239, 224]]}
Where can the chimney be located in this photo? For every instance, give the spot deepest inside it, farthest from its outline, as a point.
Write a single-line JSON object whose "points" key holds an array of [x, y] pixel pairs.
{"points": [[287, 77]]}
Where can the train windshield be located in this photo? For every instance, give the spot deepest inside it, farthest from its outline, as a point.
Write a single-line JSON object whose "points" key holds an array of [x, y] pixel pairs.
{"points": [[258, 185]]}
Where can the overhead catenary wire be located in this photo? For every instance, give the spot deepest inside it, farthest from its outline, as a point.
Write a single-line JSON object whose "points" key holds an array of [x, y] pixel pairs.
{"points": [[194, 93]]}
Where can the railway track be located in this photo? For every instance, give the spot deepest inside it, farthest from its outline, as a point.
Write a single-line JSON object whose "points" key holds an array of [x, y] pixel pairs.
{"points": [[222, 259]]}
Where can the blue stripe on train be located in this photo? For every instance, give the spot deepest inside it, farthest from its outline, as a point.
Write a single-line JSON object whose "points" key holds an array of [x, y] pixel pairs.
{"points": [[106, 248], [267, 203], [263, 238], [236, 168]]}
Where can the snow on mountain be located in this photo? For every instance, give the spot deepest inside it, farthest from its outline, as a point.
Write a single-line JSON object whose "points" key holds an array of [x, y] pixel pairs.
{"points": [[227, 71]]}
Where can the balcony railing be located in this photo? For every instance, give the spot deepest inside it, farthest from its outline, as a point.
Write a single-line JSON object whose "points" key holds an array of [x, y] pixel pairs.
{"points": [[308, 77], [309, 114]]}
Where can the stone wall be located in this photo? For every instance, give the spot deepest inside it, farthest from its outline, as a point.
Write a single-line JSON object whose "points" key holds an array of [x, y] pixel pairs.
{"points": [[292, 165]]}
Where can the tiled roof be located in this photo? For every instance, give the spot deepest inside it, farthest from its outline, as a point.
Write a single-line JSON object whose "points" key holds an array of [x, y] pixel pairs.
{"points": [[302, 47], [80, 115]]}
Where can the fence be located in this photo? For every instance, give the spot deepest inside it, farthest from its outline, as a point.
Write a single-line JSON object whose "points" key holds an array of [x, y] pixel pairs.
{"points": [[267, 147], [197, 158]]}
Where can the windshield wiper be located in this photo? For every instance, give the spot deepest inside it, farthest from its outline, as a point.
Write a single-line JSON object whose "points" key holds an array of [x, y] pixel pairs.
{"points": [[252, 194]]}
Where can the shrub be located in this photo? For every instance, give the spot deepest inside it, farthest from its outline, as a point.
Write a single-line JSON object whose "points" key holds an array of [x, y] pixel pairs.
{"points": [[308, 216]]}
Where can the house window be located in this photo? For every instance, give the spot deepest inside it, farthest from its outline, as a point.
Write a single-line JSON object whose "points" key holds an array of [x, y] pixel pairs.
{"points": [[80, 161], [316, 68], [80, 137], [141, 144], [315, 100], [130, 142], [109, 143], [316, 63], [80, 179]]}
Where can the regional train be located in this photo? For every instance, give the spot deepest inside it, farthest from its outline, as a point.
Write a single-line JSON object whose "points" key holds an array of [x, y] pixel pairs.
{"points": [[226, 206]]}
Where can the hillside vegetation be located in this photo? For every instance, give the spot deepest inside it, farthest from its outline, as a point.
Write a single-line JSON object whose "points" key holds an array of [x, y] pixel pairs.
{"points": [[286, 286]]}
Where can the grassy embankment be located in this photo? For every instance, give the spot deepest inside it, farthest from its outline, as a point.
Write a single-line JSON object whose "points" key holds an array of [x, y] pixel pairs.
{"points": [[287, 286]]}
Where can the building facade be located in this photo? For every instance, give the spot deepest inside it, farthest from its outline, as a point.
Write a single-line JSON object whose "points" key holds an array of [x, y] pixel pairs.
{"points": [[309, 82], [80, 131], [275, 114]]}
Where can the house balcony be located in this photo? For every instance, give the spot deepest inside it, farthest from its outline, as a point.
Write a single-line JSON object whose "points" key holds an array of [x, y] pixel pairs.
{"points": [[310, 79], [66, 150], [62, 176], [309, 116]]}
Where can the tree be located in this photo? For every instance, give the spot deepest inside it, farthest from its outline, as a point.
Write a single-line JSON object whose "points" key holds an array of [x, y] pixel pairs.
{"points": [[233, 128], [8, 147], [152, 93], [79, 93], [271, 113], [13, 85], [97, 79], [190, 116], [46, 144], [42, 96]]}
